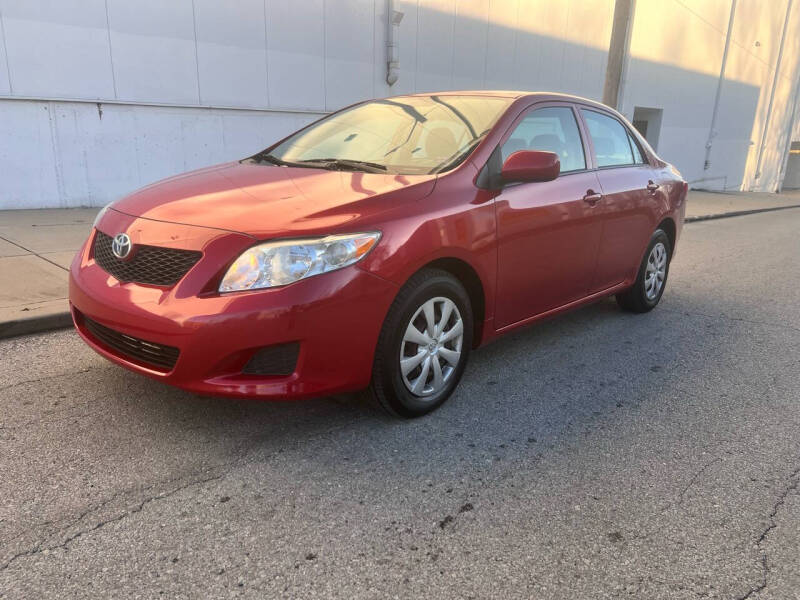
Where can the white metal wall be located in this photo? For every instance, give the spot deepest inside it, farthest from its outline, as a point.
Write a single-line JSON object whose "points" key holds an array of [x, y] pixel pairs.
{"points": [[98, 97], [676, 54], [161, 83]]}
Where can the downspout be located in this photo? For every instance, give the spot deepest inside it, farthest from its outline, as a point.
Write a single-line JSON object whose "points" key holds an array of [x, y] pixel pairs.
{"points": [[772, 93], [392, 42], [712, 130]]}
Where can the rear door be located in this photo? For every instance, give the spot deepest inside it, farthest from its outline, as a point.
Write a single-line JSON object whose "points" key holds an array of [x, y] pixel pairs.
{"points": [[548, 235], [626, 210]]}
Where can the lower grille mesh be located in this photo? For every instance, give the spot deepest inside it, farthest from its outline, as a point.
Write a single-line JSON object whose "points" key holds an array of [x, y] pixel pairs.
{"points": [[149, 353]]}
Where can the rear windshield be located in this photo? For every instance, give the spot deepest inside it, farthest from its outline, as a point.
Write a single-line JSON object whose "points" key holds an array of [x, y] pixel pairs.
{"points": [[406, 135]]}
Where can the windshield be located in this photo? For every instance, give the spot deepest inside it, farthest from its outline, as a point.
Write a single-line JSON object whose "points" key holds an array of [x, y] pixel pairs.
{"points": [[406, 135]]}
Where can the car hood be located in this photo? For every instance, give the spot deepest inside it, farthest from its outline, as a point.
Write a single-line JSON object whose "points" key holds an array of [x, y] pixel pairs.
{"points": [[265, 200]]}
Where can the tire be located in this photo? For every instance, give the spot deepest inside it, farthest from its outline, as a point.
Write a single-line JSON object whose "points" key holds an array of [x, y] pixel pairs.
{"points": [[431, 291], [642, 297]]}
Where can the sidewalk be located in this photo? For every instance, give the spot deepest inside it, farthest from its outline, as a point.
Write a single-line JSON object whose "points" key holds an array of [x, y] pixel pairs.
{"points": [[714, 205], [37, 246]]}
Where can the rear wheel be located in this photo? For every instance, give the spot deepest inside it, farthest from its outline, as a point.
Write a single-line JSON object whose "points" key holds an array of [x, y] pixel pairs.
{"points": [[423, 346], [652, 277]]}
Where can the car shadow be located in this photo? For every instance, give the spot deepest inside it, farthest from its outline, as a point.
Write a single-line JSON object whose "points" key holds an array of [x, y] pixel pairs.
{"points": [[545, 384]]}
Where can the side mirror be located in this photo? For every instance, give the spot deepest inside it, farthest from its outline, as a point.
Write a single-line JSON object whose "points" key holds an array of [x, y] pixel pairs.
{"points": [[531, 165]]}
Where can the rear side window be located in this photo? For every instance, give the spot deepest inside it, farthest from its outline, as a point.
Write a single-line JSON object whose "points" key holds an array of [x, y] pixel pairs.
{"points": [[612, 144], [553, 129], [637, 153]]}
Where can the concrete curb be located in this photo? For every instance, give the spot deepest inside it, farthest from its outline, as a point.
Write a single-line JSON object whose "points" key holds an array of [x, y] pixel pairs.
{"points": [[738, 213], [39, 324]]}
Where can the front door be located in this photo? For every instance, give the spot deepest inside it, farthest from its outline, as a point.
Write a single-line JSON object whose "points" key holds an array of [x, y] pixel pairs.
{"points": [[548, 235]]}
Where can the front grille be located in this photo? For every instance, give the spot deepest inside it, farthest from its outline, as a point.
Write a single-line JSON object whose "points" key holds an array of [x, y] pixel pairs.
{"points": [[153, 265], [273, 360], [149, 353]]}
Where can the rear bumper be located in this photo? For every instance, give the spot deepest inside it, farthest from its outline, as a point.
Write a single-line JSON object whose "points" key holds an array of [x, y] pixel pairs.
{"points": [[335, 319]]}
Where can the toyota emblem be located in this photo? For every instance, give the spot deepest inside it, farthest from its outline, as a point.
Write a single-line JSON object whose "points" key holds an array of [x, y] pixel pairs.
{"points": [[121, 245]]}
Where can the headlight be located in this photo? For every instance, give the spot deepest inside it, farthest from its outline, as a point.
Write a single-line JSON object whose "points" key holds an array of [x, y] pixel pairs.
{"points": [[100, 215], [280, 263]]}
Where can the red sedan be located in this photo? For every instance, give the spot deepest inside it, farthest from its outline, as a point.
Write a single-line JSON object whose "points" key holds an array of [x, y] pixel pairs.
{"points": [[377, 246]]}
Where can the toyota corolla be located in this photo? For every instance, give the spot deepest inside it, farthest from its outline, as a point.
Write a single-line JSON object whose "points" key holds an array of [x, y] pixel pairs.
{"points": [[376, 247]]}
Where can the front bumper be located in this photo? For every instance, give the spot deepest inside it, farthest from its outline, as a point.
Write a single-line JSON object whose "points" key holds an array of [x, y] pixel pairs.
{"points": [[335, 318]]}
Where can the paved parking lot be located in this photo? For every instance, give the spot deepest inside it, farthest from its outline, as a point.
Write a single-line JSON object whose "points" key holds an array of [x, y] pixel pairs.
{"points": [[598, 455]]}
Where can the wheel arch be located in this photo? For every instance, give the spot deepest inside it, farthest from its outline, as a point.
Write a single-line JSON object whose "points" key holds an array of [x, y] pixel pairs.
{"points": [[668, 226], [469, 278]]}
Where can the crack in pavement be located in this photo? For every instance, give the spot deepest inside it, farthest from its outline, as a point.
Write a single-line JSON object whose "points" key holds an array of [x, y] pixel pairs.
{"points": [[700, 472], [244, 458], [795, 481], [650, 524], [40, 379], [37, 549]]}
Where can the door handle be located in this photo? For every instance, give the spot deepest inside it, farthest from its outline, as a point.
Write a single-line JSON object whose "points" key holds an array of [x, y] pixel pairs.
{"points": [[652, 186], [592, 198]]}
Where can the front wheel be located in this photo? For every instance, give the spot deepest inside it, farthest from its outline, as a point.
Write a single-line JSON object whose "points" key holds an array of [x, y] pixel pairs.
{"points": [[652, 277], [423, 346]]}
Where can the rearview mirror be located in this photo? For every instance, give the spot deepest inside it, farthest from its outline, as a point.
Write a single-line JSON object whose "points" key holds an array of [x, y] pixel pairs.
{"points": [[531, 165]]}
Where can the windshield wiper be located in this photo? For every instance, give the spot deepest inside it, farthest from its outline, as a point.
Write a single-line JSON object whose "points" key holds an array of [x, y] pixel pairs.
{"points": [[346, 163], [321, 163], [273, 160]]}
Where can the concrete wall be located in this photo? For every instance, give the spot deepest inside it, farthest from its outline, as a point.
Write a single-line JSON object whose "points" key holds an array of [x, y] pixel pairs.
{"points": [[98, 97]]}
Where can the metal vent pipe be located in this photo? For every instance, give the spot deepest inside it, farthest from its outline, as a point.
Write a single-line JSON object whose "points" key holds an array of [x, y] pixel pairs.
{"points": [[392, 42], [712, 129]]}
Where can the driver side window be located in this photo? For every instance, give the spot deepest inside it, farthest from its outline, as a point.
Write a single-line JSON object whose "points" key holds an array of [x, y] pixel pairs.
{"points": [[553, 129]]}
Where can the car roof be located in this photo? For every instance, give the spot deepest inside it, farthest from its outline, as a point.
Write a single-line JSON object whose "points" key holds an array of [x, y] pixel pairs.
{"points": [[499, 93], [516, 94]]}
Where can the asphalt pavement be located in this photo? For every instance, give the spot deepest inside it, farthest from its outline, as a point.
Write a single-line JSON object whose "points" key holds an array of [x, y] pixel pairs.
{"points": [[597, 455]]}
